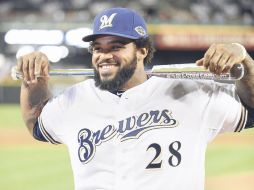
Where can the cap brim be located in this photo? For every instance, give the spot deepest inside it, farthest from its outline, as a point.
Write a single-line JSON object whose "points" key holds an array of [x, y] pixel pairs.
{"points": [[91, 37]]}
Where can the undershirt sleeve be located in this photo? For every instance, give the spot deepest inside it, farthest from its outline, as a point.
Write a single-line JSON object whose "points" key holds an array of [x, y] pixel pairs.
{"points": [[37, 134], [250, 116]]}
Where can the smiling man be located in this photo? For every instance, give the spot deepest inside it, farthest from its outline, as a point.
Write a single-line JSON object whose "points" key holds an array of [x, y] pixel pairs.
{"points": [[125, 131], [116, 60]]}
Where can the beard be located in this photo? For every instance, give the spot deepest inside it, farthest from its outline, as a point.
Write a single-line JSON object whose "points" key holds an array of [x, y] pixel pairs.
{"points": [[122, 76]]}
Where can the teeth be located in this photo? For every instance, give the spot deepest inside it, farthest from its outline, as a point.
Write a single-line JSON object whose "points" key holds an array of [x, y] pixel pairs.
{"points": [[106, 66]]}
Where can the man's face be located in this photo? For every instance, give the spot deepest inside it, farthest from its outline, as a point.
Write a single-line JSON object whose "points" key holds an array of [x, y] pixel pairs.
{"points": [[114, 61]]}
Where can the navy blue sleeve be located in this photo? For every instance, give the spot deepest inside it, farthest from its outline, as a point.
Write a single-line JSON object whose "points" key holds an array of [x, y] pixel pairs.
{"points": [[250, 117], [37, 133]]}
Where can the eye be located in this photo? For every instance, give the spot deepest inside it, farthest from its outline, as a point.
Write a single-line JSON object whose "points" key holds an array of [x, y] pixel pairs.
{"points": [[96, 49], [116, 47]]}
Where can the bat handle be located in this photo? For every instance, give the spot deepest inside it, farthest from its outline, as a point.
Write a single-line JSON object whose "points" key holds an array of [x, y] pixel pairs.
{"points": [[15, 75]]}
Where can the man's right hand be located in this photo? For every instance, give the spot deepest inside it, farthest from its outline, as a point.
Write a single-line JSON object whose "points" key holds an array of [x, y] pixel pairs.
{"points": [[33, 65]]}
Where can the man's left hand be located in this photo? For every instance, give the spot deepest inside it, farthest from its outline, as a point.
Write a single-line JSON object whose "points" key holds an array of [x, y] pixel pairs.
{"points": [[220, 58]]}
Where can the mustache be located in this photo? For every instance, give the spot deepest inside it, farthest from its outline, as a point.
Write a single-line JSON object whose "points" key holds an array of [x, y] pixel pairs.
{"points": [[108, 61]]}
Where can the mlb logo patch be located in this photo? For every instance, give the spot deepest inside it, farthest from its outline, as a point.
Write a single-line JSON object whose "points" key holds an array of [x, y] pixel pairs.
{"points": [[140, 30]]}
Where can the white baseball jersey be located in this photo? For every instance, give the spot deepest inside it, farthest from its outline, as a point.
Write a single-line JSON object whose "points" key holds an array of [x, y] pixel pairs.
{"points": [[152, 137]]}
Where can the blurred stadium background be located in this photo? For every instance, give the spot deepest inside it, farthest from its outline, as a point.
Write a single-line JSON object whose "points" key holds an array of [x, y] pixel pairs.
{"points": [[181, 30]]}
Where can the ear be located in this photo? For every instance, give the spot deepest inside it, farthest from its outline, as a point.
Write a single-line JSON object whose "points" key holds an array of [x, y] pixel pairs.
{"points": [[142, 53]]}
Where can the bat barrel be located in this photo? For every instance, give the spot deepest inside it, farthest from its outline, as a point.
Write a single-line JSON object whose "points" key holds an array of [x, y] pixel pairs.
{"points": [[191, 71]]}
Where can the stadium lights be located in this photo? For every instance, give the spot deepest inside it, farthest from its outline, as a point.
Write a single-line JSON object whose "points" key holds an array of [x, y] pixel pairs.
{"points": [[54, 53], [47, 37], [47, 41], [74, 37]]}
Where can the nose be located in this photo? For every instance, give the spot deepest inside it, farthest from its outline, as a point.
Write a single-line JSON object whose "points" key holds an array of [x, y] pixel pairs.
{"points": [[106, 56]]}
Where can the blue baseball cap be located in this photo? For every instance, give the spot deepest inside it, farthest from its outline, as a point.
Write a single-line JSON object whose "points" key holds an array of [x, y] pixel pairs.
{"points": [[118, 21]]}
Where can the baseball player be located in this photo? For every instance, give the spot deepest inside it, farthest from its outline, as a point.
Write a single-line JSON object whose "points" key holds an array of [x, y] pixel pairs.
{"points": [[126, 131]]}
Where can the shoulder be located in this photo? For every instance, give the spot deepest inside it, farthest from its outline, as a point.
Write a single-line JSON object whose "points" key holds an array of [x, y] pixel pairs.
{"points": [[80, 87], [86, 84], [172, 83], [187, 85], [73, 94]]}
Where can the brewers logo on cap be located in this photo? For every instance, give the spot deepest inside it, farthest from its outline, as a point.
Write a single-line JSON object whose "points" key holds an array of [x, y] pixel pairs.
{"points": [[107, 21]]}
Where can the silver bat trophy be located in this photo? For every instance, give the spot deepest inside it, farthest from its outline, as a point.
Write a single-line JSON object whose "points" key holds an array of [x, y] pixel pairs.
{"points": [[176, 71]]}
